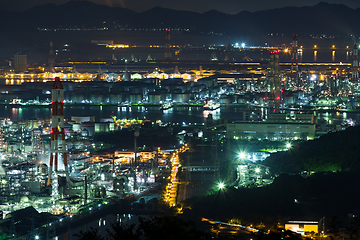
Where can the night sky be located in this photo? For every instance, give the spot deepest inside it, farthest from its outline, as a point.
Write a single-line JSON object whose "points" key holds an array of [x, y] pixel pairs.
{"points": [[226, 6]]}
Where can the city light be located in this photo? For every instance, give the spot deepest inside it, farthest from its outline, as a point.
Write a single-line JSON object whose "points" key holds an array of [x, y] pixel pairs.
{"points": [[283, 95], [242, 155]]}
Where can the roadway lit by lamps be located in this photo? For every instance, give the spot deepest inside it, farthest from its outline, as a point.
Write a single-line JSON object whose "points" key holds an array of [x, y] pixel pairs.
{"points": [[170, 193]]}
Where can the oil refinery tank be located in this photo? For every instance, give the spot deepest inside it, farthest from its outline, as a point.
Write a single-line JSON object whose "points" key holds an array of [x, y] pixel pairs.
{"points": [[116, 98], [136, 98], [182, 97], [155, 97], [96, 98], [226, 99]]}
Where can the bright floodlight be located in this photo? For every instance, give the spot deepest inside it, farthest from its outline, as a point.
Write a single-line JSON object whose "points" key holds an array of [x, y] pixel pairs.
{"points": [[242, 155], [243, 45], [221, 185], [288, 145], [257, 170]]}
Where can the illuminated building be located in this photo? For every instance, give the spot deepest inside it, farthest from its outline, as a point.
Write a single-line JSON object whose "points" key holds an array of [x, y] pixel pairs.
{"points": [[302, 227], [278, 127]]}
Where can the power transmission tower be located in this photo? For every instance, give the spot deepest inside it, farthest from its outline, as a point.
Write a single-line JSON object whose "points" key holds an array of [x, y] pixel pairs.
{"points": [[214, 156], [50, 230], [12, 227], [203, 161], [188, 175], [32, 230]]}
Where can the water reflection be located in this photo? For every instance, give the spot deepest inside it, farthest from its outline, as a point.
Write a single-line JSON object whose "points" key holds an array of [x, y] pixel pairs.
{"points": [[333, 56], [175, 115], [315, 56], [168, 111], [15, 114], [215, 114]]}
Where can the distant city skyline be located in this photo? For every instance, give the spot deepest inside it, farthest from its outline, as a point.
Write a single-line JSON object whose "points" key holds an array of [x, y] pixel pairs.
{"points": [[226, 6]]}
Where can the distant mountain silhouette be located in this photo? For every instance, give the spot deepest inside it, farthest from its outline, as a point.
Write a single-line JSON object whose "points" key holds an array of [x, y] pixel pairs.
{"points": [[323, 18]]}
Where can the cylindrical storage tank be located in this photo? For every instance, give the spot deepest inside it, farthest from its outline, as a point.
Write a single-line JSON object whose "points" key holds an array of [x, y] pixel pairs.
{"points": [[96, 98], [225, 100], [242, 99], [181, 97], [136, 98], [115, 98], [154, 98]]}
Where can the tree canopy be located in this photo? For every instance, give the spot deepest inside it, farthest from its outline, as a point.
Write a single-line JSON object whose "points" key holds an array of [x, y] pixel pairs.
{"points": [[335, 151]]}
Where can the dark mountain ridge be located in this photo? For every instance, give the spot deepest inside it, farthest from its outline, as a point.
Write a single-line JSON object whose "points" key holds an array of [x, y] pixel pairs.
{"points": [[323, 18]]}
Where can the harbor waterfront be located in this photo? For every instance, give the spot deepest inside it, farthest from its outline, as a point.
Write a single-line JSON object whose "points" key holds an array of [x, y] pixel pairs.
{"points": [[187, 114], [111, 128]]}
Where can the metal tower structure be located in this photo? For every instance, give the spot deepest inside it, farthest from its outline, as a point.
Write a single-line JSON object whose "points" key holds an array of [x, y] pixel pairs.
{"points": [[57, 145], [51, 58], [50, 230], [215, 158], [355, 64], [203, 160], [12, 228], [167, 46], [32, 229], [275, 80], [294, 59]]}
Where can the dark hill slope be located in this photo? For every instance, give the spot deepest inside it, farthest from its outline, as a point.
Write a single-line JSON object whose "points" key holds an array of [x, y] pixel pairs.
{"points": [[319, 195], [331, 152]]}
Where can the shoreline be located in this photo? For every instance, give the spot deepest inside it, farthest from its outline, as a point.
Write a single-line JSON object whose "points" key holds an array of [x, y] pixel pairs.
{"points": [[175, 105]]}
